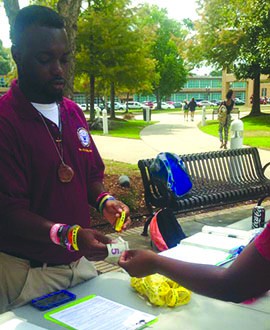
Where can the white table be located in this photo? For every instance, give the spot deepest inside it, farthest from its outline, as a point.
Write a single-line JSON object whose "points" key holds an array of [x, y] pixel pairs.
{"points": [[201, 313]]}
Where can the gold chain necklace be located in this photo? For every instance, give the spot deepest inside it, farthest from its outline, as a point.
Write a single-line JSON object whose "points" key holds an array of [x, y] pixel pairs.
{"points": [[65, 172]]}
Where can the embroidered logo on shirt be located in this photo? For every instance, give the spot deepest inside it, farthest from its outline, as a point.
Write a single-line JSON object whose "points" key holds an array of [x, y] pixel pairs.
{"points": [[83, 136]]}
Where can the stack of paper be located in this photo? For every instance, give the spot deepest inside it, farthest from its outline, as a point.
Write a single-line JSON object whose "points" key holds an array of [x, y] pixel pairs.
{"points": [[213, 245], [215, 242]]}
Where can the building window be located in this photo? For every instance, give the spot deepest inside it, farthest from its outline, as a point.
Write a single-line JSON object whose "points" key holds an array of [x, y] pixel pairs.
{"points": [[264, 92]]}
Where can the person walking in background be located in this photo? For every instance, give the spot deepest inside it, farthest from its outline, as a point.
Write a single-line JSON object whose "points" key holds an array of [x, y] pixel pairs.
{"points": [[185, 110], [50, 171], [224, 117], [192, 107]]}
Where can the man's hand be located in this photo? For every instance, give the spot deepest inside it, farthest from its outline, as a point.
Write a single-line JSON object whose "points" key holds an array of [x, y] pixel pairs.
{"points": [[92, 244], [112, 211]]}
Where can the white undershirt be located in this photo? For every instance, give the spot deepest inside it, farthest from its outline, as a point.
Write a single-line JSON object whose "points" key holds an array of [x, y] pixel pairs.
{"points": [[49, 111]]}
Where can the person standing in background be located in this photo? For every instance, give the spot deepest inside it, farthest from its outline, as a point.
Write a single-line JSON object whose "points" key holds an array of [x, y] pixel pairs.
{"points": [[192, 107], [185, 108], [225, 119]]}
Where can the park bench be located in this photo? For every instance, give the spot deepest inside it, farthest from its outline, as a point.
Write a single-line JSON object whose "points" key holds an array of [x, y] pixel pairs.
{"points": [[234, 110], [219, 178]]}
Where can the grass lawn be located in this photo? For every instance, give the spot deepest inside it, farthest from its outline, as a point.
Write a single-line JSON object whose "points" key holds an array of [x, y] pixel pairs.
{"points": [[256, 130], [129, 129], [118, 168]]}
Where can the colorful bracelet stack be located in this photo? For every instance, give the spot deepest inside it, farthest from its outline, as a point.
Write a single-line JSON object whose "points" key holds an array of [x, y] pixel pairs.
{"points": [[65, 235], [102, 200]]}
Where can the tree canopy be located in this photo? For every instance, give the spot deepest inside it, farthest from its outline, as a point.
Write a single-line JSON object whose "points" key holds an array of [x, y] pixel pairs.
{"points": [[168, 52], [5, 66], [112, 48], [234, 35]]}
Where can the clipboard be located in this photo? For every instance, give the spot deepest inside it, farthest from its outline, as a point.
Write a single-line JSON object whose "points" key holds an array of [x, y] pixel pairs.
{"points": [[99, 313]]}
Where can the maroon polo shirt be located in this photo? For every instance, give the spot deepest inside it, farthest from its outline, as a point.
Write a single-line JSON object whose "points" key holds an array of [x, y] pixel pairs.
{"points": [[28, 172]]}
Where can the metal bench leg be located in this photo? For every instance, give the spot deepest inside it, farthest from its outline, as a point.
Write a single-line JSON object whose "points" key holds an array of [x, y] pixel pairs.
{"points": [[146, 225]]}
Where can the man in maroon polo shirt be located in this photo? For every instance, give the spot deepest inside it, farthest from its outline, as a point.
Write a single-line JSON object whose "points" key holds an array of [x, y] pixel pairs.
{"points": [[50, 171]]}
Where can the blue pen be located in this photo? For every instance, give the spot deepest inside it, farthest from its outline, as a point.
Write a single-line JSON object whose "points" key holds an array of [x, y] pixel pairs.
{"points": [[231, 257]]}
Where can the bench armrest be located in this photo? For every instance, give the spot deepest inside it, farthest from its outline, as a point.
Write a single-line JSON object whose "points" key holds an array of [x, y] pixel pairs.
{"points": [[265, 166]]}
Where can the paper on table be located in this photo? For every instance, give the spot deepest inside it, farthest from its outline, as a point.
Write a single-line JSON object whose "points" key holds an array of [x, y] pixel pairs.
{"points": [[217, 242], [196, 254], [231, 232], [95, 312]]}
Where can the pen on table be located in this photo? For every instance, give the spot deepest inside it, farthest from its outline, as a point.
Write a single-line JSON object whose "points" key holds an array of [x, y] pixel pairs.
{"points": [[231, 257], [228, 259]]}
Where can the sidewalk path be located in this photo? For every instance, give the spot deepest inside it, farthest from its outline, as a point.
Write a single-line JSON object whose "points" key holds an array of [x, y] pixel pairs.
{"points": [[171, 133]]}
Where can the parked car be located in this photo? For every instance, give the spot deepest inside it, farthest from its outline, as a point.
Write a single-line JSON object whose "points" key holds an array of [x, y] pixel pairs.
{"points": [[178, 105], [164, 106], [205, 103], [84, 107], [263, 100], [149, 103], [117, 106], [217, 102], [136, 105], [238, 101]]}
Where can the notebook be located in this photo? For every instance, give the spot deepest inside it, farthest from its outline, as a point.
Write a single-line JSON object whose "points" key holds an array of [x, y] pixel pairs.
{"points": [[213, 245]]}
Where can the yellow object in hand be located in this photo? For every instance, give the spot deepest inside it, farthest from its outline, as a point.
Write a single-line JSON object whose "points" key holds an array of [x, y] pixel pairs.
{"points": [[120, 221]]}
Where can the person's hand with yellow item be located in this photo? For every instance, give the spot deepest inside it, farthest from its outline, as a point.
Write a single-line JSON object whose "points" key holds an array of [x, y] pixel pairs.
{"points": [[114, 210]]}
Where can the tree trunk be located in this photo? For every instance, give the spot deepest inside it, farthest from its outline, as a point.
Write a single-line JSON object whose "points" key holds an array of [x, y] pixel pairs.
{"points": [[92, 97], [256, 106], [112, 97], [127, 103], [11, 8], [70, 10], [158, 99]]}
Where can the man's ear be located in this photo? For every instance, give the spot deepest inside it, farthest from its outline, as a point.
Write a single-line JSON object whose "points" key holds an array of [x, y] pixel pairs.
{"points": [[16, 54]]}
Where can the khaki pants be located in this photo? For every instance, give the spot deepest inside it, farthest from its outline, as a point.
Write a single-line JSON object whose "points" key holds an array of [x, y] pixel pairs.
{"points": [[19, 283]]}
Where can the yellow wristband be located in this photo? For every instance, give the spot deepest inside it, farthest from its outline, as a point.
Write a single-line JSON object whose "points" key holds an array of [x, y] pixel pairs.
{"points": [[75, 237], [120, 221]]}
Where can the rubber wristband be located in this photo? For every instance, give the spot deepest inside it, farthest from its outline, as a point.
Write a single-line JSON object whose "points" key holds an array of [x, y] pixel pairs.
{"points": [[100, 196], [120, 221], [53, 233], [104, 201], [75, 237]]}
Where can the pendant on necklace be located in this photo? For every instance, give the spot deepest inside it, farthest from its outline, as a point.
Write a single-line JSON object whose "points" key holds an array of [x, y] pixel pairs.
{"points": [[65, 173]]}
